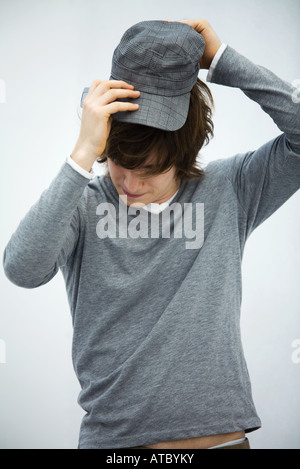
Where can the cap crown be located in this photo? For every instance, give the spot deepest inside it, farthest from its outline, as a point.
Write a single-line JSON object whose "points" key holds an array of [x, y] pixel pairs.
{"points": [[159, 57]]}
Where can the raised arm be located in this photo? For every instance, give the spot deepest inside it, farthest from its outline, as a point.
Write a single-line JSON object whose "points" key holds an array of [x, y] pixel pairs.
{"points": [[48, 234], [266, 178]]}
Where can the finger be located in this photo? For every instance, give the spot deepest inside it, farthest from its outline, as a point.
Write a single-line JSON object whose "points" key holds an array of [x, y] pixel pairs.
{"points": [[118, 106], [119, 84], [94, 86], [199, 25], [112, 84], [192, 23], [114, 94], [98, 87]]}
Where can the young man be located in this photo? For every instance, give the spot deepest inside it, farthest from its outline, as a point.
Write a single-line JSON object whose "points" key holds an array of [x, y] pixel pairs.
{"points": [[155, 299]]}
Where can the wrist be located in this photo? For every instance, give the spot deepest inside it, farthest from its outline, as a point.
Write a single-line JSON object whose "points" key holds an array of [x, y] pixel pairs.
{"points": [[84, 157], [215, 61], [210, 52]]}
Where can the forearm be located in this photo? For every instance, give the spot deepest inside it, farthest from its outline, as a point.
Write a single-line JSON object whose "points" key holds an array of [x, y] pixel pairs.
{"points": [[273, 94], [46, 236]]}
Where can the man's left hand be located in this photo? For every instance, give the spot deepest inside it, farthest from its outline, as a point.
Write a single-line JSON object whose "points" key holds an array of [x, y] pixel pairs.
{"points": [[212, 41]]}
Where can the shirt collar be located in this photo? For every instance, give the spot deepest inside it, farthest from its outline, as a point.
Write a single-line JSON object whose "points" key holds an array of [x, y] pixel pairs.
{"points": [[157, 208]]}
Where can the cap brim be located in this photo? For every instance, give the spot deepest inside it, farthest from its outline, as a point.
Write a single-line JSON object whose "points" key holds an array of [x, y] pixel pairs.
{"points": [[161, 112]]}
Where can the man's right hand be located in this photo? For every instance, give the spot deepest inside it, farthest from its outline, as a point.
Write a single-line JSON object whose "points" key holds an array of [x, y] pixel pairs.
{"points": [[98, 106]]}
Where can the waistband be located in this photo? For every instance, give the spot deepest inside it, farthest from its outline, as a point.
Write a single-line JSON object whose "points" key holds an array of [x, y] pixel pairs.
{"points": [[243, 445]]}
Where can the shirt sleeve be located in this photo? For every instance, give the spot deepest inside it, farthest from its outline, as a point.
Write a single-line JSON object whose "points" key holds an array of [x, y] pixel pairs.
{"points": [[215, 62], [79, 169], [48, 234], [263, 179]]}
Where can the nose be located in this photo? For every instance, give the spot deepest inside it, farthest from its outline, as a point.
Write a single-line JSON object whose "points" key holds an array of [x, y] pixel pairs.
{"points": [[132, 183]]}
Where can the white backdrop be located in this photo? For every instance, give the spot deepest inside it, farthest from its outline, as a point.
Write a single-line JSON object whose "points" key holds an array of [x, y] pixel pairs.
{"points": [[51, 50]]}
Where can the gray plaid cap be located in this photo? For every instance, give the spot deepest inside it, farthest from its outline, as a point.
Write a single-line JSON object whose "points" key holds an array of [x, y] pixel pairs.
{"points": [[161, 60]]}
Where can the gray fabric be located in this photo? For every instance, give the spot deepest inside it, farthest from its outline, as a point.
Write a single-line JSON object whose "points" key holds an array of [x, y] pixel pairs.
{"points": [[161, 60], [157, 345]]}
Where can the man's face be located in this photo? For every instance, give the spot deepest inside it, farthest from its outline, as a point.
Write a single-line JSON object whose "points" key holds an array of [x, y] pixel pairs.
{"points": [[141, 189]]}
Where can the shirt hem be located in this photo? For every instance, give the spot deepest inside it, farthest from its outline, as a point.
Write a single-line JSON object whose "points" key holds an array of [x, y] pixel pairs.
{"points": [[156, 437]]}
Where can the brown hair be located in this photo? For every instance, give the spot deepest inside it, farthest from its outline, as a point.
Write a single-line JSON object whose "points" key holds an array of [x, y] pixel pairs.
{"points": [[130, 145]]}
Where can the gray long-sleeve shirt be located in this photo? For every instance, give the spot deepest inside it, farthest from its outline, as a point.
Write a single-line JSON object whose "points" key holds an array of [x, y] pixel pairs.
{"points": [[157, 345]]}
